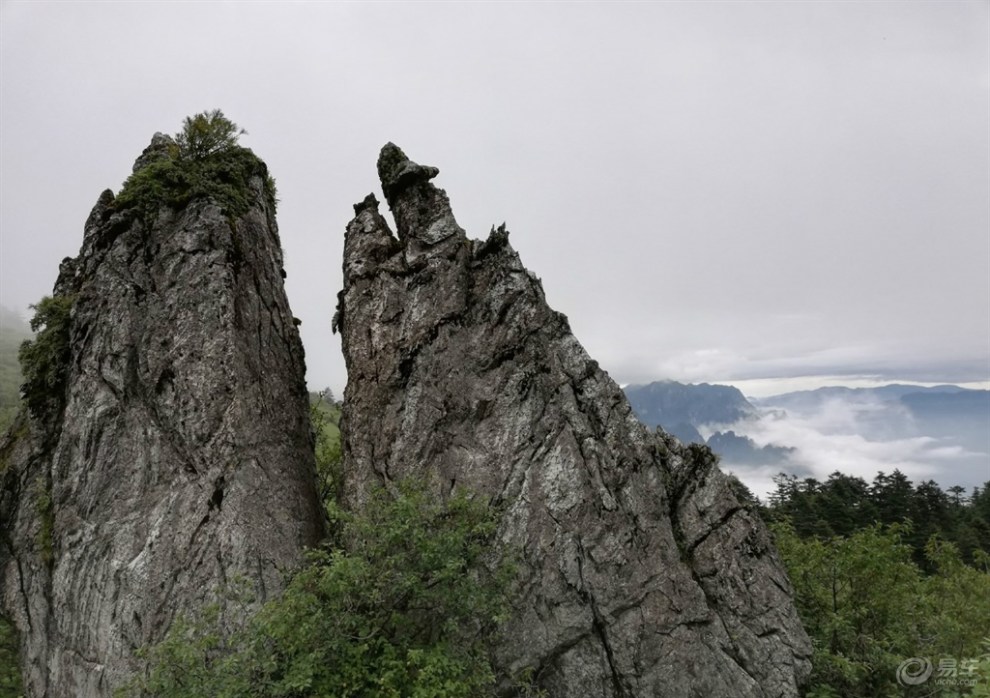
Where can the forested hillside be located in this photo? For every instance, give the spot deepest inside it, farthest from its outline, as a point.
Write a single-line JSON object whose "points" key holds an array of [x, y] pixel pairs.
{"points": [[885, 572], [13, 331]]}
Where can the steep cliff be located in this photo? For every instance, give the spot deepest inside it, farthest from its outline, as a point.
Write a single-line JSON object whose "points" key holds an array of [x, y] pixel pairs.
{"points": [[641, 575], [168, 450]]}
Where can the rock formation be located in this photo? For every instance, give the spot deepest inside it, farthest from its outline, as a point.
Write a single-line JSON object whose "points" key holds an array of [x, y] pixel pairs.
{"points": [[176, 456], [641, 575]]}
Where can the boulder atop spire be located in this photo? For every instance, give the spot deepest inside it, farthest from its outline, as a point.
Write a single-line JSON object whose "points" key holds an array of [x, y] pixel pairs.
{"points": [[422, 212], [396, 171]]}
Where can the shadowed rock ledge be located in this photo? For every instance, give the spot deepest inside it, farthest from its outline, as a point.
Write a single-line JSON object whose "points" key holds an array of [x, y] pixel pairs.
{"points": [[177, 459], [641, 575]]}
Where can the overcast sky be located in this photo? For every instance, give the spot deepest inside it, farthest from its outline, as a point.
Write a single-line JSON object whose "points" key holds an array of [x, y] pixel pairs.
{"points": [[767, 194]]}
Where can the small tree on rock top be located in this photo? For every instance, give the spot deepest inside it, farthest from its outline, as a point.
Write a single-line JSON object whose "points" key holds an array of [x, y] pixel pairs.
{"points": [[207, 133]]}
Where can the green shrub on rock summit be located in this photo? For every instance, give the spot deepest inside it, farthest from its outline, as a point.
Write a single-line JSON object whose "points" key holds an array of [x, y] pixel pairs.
{"points": [[206, 134], [203, 161]]}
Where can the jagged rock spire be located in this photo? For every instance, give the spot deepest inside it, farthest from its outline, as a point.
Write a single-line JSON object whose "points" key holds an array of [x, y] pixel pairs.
{"points": [[180, 460], [640, 573]]}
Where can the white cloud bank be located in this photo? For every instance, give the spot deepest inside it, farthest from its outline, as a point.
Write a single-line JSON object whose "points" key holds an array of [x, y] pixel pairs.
{"points": [[861, 436]]}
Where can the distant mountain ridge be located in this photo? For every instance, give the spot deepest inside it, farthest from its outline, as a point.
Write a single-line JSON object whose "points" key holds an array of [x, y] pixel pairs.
{"points": [[885, 393], [742, 450], [942, 410], [669, 403], [689, 406], [960, 416], [945, 404], [682, 409]]}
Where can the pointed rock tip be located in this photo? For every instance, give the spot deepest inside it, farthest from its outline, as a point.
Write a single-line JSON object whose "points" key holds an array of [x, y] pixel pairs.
{"points": [[369, 202], [396, 171], [158, 149], [100, 210], [390, 156]]}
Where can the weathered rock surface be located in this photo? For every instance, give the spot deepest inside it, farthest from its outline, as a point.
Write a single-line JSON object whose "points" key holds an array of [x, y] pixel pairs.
{"points": [[180, 459], [641, 574]]}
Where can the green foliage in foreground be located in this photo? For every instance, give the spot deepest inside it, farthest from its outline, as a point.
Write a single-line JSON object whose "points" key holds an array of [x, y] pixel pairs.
{"points": [[324, 414], [205, 163], [405, 610], [45, 359], [869, 607], [10, 676]]}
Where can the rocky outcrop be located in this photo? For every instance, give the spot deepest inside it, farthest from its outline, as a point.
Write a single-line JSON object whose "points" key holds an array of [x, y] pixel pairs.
{"points": [[640, 573], [177, 461]]}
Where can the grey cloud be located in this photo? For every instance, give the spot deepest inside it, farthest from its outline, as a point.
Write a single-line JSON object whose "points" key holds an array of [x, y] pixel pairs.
{"points": [[771, 181]]}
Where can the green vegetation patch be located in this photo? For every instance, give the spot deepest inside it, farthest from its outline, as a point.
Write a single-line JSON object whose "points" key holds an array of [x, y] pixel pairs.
{"points": [[324, 414], [887, 573], [10, 673], [406, 608], [868, 608], [203, 162], [45, 359]]}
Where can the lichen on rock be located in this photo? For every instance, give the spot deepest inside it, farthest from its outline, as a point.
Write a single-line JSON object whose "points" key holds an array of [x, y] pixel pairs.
{"points": [[640, 573]]}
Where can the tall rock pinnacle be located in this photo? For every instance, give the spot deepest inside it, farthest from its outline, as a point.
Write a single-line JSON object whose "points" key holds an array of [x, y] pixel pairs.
{"points": [[640, 573], [176, 457]]}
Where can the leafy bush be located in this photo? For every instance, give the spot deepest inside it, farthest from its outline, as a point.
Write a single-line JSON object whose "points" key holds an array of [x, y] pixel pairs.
{"points": [[981, 688], [207, 134], [10, 675], [45, 359], [868, 607], [206, 163], [406, 610], [325, 416]]}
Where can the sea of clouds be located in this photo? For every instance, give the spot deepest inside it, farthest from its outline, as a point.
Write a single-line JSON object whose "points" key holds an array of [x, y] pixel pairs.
{"points": [[862, 435]]}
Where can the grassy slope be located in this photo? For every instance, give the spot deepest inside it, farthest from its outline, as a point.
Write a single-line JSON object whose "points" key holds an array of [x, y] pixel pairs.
{"points": [[331, 412]]}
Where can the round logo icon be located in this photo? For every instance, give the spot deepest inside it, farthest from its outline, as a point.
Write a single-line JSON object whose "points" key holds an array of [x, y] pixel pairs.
{"points": [[914, 671]]}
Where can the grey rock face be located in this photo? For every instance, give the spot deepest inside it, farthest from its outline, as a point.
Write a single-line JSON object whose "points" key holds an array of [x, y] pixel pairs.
{"points": [[158, 149], [641, 575], [181, 460]]}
